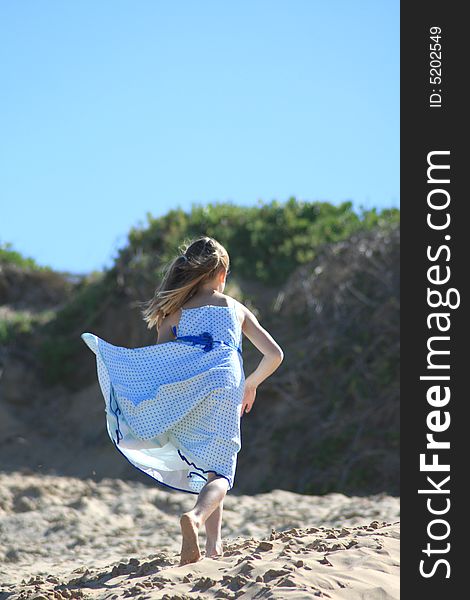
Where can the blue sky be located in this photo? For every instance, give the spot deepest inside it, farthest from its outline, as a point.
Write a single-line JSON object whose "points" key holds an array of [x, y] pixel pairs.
{"points": [[112, 108]]}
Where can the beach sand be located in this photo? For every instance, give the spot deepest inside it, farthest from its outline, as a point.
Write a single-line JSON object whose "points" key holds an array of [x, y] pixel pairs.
{"points": [[70, 538]]}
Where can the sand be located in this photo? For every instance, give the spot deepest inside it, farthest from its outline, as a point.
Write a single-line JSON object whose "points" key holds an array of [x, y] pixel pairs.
{"points": [[70, 538]]}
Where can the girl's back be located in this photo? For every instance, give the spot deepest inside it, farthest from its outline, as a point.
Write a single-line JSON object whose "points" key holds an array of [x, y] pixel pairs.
{"points": [[222, 322]]}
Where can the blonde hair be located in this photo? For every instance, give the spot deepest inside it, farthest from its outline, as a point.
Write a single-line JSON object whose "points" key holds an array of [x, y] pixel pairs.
{"points": [[199, 261]]}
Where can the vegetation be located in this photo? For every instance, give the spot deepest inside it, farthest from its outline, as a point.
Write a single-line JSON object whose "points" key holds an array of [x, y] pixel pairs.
{"points": [[266, 243], [8, 256], [343, 369], [17, 324], [327, 281]]}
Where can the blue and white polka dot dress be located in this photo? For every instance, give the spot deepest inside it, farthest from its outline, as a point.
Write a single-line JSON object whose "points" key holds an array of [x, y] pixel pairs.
{"points": [[173, 409]]}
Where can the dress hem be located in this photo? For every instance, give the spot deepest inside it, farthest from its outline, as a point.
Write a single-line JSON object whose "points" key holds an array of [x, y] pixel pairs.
{"points": [[208, 470], [151, 477], [166, 484]]}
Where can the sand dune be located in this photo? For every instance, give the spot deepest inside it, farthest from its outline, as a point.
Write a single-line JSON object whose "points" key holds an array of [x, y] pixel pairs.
{"points": [[70, 538]]}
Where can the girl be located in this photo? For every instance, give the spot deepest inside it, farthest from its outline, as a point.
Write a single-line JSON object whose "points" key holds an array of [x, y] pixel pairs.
{"points": [[173, 409]]}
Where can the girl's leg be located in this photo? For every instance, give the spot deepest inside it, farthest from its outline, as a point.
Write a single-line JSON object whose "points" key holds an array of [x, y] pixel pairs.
{"points": [[214, 532], [208, 500]]}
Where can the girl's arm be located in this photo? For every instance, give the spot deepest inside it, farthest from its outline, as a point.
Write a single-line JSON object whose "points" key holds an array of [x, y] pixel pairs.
{"points": [[273, 356]]}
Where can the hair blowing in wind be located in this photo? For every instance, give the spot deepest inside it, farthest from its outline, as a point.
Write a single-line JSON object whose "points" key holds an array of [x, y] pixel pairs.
{"points": [[198, 262]]}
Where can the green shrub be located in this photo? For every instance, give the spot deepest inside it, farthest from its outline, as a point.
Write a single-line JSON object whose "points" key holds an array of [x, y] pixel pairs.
{"points": [[8, 256]]}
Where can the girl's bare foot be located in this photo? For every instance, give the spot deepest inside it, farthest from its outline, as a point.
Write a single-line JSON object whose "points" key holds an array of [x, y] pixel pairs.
{"points": [[213, 550], [190, 551]]}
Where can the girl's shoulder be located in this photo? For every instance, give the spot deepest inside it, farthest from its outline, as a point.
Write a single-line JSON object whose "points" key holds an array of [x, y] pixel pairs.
{"points": [[240, 310], [243, 312], [219, 300], [222, 300]]}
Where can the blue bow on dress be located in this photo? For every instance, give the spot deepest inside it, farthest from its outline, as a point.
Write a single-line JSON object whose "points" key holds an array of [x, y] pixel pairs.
{"points": [[205, 339]]}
